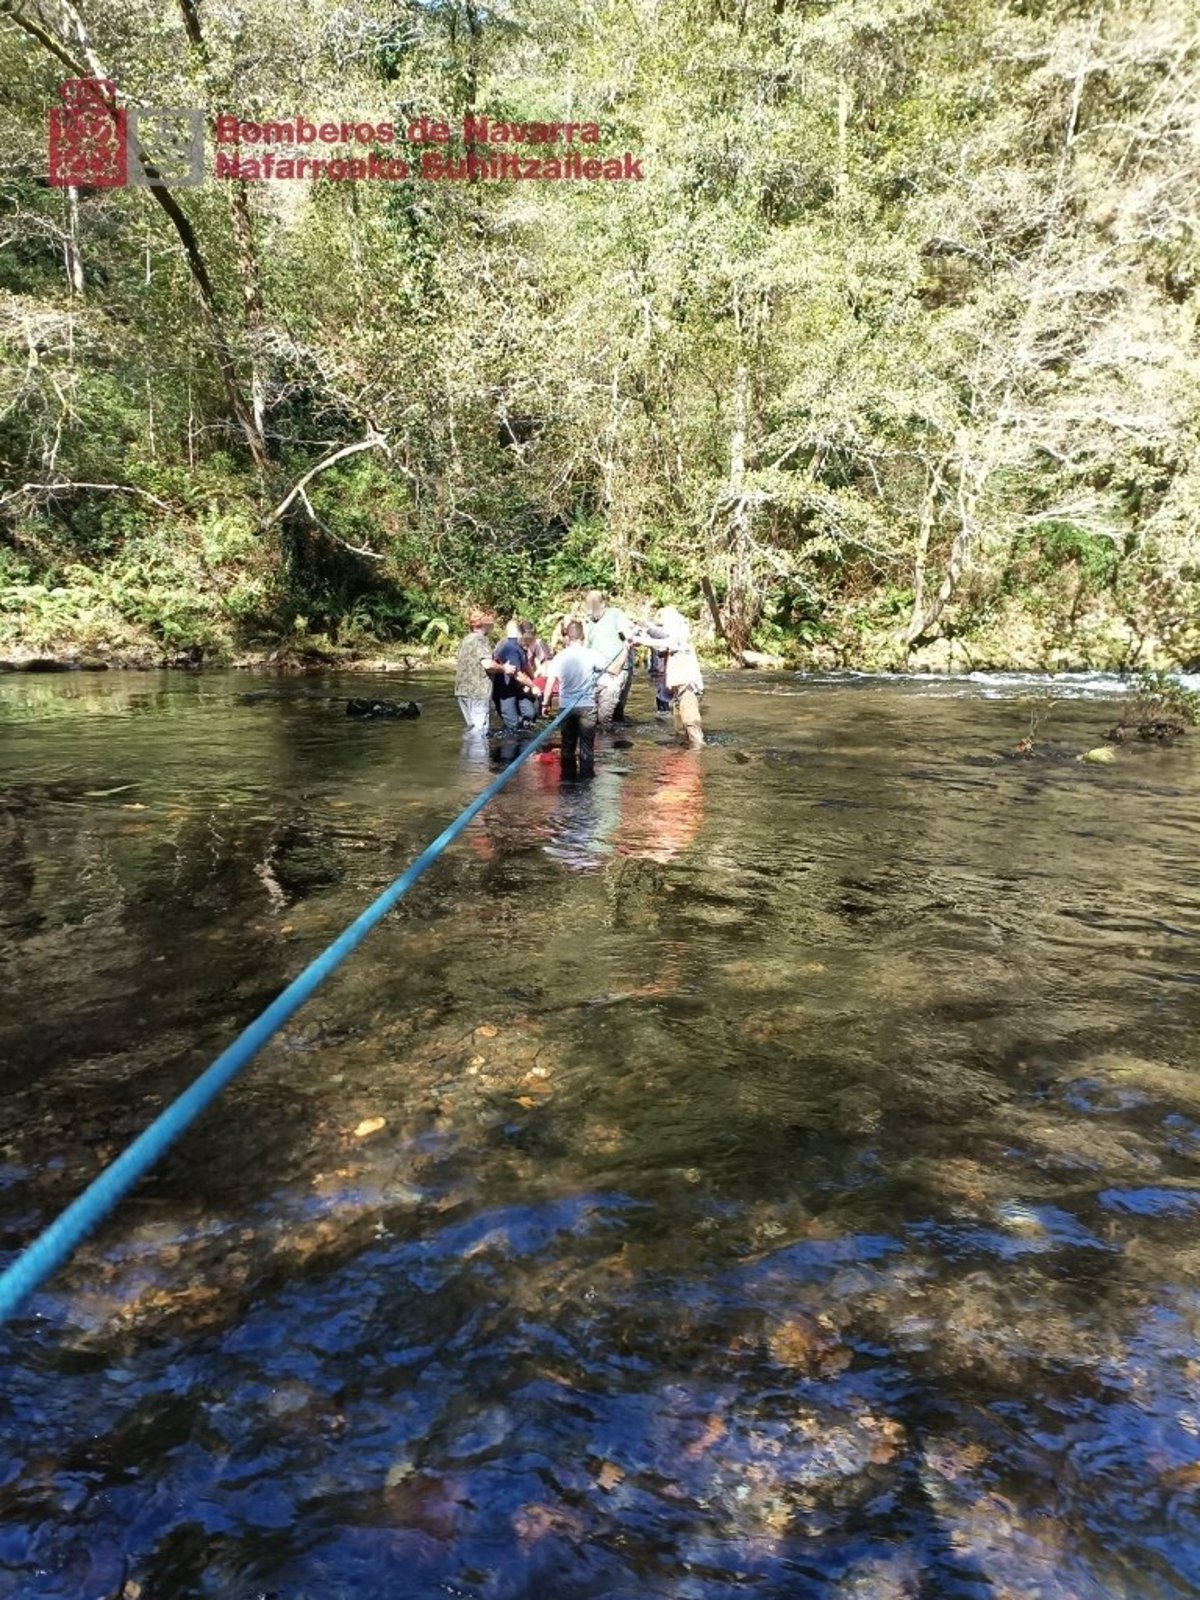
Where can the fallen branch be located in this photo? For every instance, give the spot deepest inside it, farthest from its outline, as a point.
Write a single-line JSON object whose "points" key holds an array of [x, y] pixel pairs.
{"points": [[375, 442], [104, 488], [354, 549]]}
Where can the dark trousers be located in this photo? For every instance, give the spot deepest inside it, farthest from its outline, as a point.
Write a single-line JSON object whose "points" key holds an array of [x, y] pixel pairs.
{"points": [[579, 742], [513, 712]]}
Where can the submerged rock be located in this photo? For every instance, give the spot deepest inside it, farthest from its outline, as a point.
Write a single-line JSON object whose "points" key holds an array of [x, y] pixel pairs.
{"points": [[382, 708], [1160, 730], [808, 1346], [1174, 1083], [300, 862]]}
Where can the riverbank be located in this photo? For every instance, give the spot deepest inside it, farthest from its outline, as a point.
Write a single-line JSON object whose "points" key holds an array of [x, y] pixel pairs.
{"points": [[413, 658], [1110, 651], [1035, 632], [235, 602]]}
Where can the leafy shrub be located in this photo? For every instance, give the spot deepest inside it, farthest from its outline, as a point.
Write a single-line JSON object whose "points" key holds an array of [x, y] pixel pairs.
{"points": [[1157, 696], [1055, 545]]}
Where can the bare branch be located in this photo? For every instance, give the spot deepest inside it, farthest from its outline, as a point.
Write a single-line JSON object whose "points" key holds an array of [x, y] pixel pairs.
{"points": [[354, 549], [375, 442], [64, 487]]}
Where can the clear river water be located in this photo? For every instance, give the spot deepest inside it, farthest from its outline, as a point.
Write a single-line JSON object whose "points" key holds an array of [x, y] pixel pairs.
{"points": [[769, 1171]]}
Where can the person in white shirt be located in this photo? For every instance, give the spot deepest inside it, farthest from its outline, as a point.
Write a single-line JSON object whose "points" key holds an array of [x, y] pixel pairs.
{"points": [[573, 671]]}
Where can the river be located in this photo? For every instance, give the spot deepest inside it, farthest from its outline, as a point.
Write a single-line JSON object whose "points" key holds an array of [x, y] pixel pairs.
{"points": [[771, 1171]]}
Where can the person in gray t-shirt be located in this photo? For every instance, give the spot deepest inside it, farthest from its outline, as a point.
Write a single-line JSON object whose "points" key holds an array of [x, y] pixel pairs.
{"points": [[574, 672]]}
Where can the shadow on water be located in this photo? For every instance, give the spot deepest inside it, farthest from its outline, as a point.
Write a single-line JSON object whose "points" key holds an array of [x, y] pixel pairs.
{"points": [[768, 1170]]}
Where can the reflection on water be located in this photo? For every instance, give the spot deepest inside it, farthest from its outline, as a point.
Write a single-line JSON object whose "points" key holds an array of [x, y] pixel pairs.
{"points": [[583, 815], [767, 1170]]}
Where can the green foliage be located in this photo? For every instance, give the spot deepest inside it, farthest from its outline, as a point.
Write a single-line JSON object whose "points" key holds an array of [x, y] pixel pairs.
{"points": [[1065, 543], [434, 630], [1051, 567], [822, 359], [1156, 695], [45, 617], [582, 560], [110, 609], [226, 536]]}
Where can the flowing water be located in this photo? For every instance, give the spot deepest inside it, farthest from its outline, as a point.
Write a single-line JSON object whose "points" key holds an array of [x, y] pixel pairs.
{"points": [[772, 1171]]}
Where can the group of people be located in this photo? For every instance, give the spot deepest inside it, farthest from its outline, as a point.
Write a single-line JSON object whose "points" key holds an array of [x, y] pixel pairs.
{"points": [[589, 663]]}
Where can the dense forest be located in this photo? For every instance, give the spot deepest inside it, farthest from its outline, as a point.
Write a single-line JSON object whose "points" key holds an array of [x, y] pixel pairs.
{"points": [[889, 359]]}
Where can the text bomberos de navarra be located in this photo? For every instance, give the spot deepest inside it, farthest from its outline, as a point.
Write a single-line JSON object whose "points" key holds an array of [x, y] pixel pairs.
{"points": [[479, 135]]}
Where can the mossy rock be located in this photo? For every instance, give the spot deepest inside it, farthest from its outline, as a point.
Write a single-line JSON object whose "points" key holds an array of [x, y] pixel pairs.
{"points": [[1159, 730]]}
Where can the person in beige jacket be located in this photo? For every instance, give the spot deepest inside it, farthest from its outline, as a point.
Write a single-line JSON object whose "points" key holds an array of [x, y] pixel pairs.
{"points": [[671, 634]]}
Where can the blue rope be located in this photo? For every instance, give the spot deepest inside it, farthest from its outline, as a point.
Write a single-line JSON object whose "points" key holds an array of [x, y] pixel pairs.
{"points": [[67, 1232]]}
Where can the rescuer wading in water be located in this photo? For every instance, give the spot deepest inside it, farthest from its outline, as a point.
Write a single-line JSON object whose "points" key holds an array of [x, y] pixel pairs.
{"points": [[684, 682]]}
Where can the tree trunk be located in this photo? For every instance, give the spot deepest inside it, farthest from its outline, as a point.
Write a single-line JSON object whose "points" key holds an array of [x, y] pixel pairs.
{"points": [[252, 306], [737, 630], [74, 258], [842, 175], [710, 595], [956, 566], [180, 222], [245, 252], [618, 525], [475, 34], [916, 621]]}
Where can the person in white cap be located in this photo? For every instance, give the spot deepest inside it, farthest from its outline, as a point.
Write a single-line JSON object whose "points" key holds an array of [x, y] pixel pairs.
{"points": [[684, 682]]}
